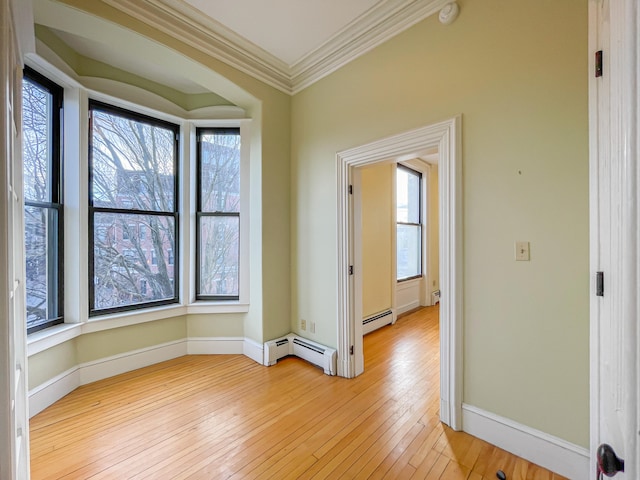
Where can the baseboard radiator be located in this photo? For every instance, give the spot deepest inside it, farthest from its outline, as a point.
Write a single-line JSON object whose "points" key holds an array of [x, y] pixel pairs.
{"points": [[435, 297], [292, 344], [376, 321]]}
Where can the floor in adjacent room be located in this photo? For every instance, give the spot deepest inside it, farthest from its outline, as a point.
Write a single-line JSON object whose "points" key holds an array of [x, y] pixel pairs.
{"points": [[225, 416]]}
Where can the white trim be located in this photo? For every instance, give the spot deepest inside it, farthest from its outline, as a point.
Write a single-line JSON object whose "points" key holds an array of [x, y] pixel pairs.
{"points": [[52, 390], [446, 138], [50, 337], [407, 307], [57, 387], [614, 145], [409, 288], [200, 307], [128, 361], [253, 350], [132, 317], [552, 453], [374, 27], [215, 345]]}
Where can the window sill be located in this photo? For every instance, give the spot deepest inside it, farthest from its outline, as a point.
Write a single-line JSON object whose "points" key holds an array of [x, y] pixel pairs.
{"points": [[201, 307], [408, 282], [50, 337], [132, 317]]}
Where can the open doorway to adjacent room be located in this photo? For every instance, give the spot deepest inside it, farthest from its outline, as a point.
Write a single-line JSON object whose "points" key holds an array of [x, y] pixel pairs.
{"points": [[369, 293]]}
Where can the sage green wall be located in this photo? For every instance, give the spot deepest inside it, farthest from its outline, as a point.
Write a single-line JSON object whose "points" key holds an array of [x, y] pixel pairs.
{"points": [[517, 72], [97, 345], [46, 365], [376, 196], [433, 263], [215, 325]]}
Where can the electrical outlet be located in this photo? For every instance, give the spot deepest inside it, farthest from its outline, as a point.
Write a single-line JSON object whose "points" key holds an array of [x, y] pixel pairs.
{"points": [[522, 251], [303, 324], [312, 327]]}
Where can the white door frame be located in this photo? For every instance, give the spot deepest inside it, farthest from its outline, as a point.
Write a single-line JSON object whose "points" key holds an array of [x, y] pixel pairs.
{"points": [[446, 138], [615, 237], [16, 32]]}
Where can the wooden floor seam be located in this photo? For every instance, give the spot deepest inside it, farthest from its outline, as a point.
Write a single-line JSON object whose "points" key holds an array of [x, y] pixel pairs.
{"points": [[204, 417]]}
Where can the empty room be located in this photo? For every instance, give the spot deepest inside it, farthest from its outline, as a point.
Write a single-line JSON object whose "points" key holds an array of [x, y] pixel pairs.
{"points": [[318, 239]]}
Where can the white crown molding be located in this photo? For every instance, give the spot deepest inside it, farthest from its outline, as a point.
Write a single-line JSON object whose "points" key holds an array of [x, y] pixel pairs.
{"points": [[362, 35], [187, 24], [215, 40]]}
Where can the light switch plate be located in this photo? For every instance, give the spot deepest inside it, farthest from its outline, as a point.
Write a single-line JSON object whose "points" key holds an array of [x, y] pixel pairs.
{"points": [[522, 251]]}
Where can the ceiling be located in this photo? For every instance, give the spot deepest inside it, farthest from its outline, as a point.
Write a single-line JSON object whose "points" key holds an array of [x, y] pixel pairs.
{"points": [[287, 29], [288, 44]]}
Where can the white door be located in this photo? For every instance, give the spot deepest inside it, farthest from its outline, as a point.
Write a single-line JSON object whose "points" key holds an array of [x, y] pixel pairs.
{"points": [[14, 444], [615, 240]]}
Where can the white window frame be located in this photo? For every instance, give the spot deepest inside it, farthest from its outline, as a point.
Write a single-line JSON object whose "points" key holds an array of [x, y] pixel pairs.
{"points": [[420, 172], [219, 306]]}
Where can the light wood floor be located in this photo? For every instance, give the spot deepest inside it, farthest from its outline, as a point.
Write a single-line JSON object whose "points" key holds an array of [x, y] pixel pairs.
{"points": [[224, 416]]}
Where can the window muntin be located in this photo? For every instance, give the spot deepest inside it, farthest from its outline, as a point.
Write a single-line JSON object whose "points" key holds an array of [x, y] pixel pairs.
{"points": [[43, 221], [133, 182], [218, 214], [409, 223]]}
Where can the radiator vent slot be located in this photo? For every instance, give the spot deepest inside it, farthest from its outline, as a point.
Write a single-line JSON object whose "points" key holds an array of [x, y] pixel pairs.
{"points": [[377, 321], [324, 357], [435, 297], [304, 344]]}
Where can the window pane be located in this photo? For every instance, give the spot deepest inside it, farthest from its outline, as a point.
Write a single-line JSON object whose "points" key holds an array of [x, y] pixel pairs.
{"points": [[133, 164], [220, 172], [131, 270], [219, 255], [36, 141], [41, 233], [408, 248], [408, 196]]}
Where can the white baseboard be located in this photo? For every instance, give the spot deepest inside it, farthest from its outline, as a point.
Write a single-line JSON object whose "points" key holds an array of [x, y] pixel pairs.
{"points": [[57, 387], [53, 390], [253, 350], [380, 320], [126, 362], [552, 453], [407, 307]]}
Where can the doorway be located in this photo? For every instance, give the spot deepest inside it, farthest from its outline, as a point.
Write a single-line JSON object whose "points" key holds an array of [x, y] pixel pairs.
{"points": [[396, 214], [444, 137]]}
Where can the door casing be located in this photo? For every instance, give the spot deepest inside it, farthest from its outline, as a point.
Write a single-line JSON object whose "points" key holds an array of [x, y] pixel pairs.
{"points": [[614, 230], [446, 138]]}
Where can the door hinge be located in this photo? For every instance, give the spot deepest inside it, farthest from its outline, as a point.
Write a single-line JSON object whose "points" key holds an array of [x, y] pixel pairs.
{"points": [[350, 269], [351, 350], [598, 64], [600, 284], [350, 189]]}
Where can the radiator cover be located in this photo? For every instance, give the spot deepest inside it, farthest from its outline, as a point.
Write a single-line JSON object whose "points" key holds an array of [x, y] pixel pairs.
{"points": [[292, 344]]}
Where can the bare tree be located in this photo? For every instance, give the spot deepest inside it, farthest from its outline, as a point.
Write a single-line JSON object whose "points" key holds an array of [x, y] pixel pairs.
{"points": [[219, 195], [36, 173], [133, 169]]}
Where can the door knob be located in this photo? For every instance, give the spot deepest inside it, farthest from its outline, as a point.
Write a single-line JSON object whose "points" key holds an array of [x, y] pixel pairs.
{"points": [[608, 462]]}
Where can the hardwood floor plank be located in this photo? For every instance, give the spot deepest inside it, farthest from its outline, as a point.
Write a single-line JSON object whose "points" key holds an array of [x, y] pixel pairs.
{"points": [[455, 471], [226, 417]]}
